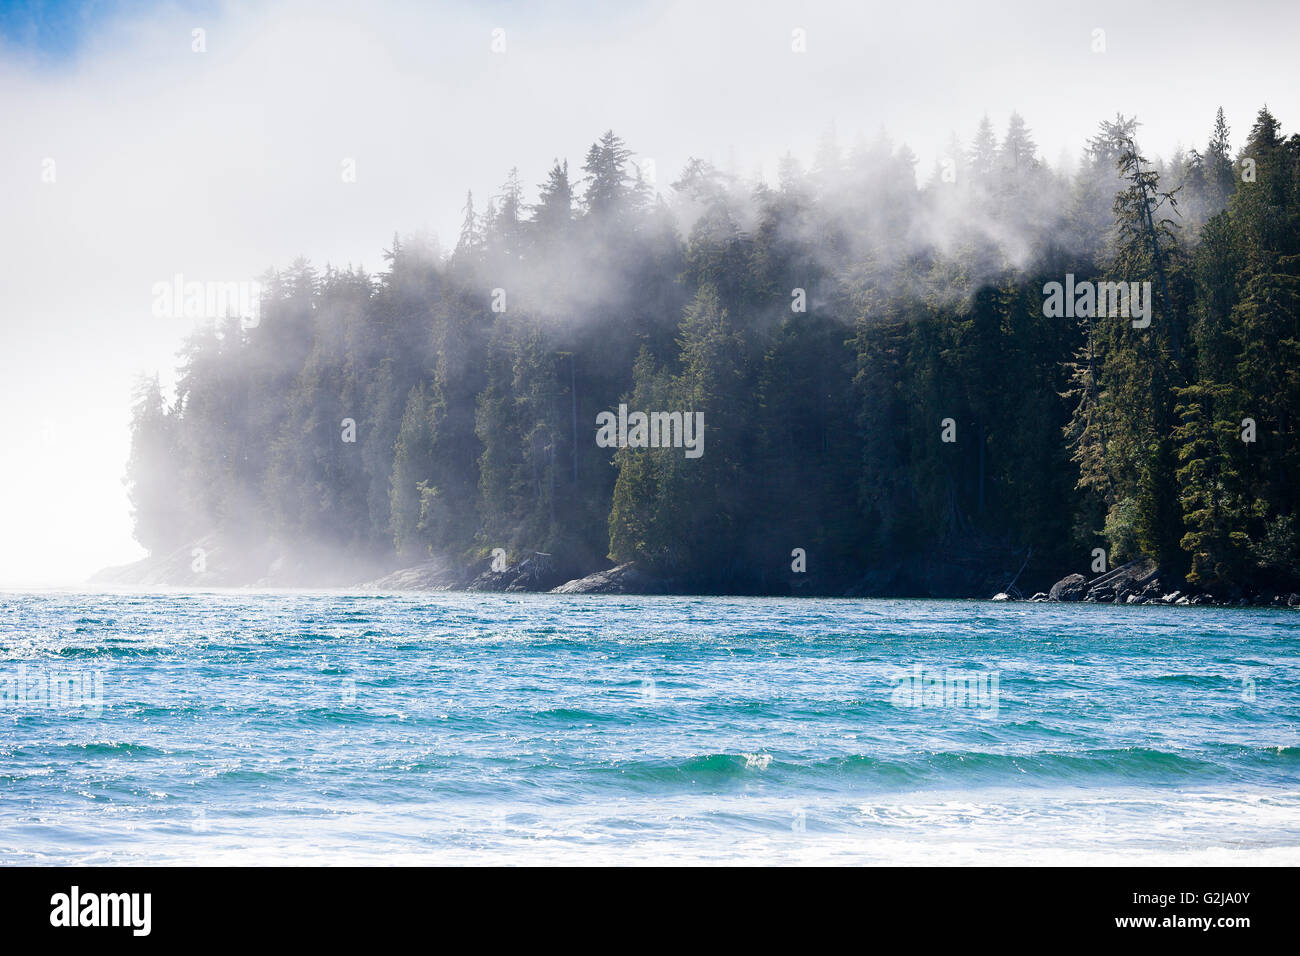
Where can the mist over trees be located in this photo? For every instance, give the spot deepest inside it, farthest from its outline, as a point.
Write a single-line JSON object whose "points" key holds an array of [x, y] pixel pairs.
{"points": [[826, 325]]}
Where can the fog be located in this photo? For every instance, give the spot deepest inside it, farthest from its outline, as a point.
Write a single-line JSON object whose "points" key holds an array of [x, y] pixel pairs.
{"points": [[131, 158]]}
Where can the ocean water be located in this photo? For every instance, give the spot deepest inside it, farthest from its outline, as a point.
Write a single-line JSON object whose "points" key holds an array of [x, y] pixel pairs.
{"points": [[331, 727]]}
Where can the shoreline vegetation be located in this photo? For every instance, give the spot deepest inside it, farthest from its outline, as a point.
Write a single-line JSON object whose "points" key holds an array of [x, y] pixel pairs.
{"points": [[907, 385]]}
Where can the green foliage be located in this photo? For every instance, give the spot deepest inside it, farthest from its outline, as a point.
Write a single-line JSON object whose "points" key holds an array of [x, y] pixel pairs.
{"points": [[825, 327]]}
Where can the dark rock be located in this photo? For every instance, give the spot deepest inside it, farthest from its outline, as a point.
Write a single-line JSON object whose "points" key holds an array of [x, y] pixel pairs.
{"points": [[1100, 593], [537, 572], [1140, 581], [624, 579], [1072, 587], [1127, 579]]}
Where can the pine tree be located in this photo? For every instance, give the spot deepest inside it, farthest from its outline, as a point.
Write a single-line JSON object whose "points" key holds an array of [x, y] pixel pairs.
{"points": [[553, 212], [1215, 506], [983, 152], [608, 182]]}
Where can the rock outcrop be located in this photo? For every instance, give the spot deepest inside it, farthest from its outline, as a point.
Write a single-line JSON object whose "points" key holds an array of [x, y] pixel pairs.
{"points": [[537, 572], [1137, 582], [623, 579], [1139, 578], [1143, 582], [1072, 587]]}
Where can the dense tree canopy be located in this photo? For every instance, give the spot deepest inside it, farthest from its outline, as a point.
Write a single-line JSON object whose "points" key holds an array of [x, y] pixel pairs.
{"points": [[833, 328]]}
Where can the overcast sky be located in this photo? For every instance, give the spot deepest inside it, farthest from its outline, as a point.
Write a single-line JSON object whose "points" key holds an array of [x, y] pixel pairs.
{"points": [[222, 163]]}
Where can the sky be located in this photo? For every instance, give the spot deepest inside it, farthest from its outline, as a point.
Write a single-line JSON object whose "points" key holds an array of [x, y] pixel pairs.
{"points": [[136, 149]]}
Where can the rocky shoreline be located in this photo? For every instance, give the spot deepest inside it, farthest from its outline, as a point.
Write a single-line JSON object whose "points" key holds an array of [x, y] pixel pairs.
{"points": [[1143, 582], [210, 562]]}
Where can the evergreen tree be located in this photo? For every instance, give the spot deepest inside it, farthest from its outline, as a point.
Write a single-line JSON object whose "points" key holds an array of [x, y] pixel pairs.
{"points": [[825, 327]]}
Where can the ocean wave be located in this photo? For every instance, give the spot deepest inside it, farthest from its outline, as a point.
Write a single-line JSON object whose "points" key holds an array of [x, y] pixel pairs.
{"points": [[960, 768], [427, 725]]}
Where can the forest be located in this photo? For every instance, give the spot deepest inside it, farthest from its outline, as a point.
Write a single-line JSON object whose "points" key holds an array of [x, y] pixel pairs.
{"points": [[881, 386]]}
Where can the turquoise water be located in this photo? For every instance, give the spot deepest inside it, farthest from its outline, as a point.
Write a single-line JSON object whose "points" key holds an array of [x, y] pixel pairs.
{"points": [[235, 727]]}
